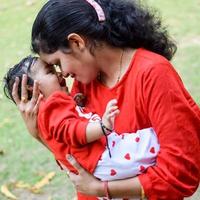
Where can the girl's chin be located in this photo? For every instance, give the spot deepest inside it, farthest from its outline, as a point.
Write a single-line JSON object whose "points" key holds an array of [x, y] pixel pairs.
{"points": [[83, 80]]}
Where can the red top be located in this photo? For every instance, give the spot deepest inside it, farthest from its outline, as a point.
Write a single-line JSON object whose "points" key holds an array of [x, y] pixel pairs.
{"points": [[63, 130], [150, 94]]}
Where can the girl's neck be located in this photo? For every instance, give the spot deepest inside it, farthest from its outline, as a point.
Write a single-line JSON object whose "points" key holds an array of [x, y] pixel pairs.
{"points": [[114, 63]]}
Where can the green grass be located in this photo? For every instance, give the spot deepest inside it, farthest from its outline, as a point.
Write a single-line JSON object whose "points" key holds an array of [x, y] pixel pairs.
{"points": [[182, 19], [24, 157]]}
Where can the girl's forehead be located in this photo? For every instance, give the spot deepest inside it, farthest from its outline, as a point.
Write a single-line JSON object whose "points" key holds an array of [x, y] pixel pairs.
{"points": [[52, 58], [49, 58]]}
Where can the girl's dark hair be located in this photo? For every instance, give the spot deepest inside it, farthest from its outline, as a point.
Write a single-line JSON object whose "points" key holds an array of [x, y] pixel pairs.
{"points": [[127, 24], [23, 67]]}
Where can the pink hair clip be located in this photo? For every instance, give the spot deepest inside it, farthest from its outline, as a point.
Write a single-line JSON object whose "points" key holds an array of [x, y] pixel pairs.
{"points": [[98, 9]]}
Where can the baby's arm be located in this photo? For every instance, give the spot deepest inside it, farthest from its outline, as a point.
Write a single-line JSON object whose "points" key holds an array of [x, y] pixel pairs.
{"points": [[94, 129]]}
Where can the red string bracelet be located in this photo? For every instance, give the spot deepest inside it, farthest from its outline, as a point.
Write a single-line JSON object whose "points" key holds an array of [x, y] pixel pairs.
{"points": [[106, 189]]}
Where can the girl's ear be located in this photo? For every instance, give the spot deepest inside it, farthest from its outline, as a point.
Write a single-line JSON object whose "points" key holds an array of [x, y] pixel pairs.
{"points": [[76, 42]]}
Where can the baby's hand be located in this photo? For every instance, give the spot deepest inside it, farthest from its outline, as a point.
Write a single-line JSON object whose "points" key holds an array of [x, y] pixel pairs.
{"points": [[111, 112]]}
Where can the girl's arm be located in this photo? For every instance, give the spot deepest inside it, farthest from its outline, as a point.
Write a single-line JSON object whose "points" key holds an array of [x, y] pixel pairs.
{"points": [[176, 119], [28, 109], [86, 183]]}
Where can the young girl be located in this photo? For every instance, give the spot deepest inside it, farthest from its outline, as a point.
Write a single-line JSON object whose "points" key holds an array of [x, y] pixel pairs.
{"points": [[60, 122], [118, 49]]}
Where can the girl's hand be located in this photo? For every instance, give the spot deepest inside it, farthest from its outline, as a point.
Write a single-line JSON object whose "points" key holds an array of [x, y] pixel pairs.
{"points": [[111, 112], [87, 184], [28, 108], [84, 182]]}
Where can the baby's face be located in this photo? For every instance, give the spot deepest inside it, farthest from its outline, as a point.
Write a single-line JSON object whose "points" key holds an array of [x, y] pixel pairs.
{"points": [[49, 80]]}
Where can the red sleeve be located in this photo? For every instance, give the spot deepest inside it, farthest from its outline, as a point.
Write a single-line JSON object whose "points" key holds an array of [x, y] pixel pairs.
{"points": [[59, 119], [176, 120]]}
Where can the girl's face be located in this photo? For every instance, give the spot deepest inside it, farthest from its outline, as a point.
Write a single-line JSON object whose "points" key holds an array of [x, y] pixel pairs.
{"points": [[80, 65]]}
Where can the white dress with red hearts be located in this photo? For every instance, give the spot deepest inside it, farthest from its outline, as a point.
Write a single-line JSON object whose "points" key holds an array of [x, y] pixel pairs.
{"points": [[131, 154]]}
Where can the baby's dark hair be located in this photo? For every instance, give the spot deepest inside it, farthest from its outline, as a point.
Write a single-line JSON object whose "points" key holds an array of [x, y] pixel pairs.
{"points": [[128, 24], [23, 67]]}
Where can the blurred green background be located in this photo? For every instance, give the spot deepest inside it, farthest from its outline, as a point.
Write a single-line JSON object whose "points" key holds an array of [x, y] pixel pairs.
{"points": [[24, 159]]}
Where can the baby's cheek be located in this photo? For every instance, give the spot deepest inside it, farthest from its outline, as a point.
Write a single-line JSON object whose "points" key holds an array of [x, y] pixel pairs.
{"points": [[53, 83], [49, 85]]}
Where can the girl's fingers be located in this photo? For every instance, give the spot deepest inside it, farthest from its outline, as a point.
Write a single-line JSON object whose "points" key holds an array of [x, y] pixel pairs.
{"points": [[35, 110], [74, 163], [15, 91], [36, 93], [24, 94]]}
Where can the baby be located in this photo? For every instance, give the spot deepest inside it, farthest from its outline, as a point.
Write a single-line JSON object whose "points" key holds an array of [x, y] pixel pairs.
{"points": [[68, 128]]}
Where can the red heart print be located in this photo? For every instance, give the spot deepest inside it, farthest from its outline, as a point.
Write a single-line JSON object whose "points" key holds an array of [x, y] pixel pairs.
{"points": [[142, 168], [113, 172], [152, 150], [113, 143], [127, 156], [137, 139]]}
